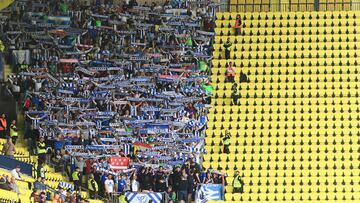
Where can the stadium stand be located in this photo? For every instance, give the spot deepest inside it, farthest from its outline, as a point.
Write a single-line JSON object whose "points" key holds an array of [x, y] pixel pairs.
{"points": [[114, 98], [294, 132]]}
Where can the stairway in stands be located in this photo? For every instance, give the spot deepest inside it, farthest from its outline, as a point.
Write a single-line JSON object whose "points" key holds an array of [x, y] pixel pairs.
{"points": [[295, 134]]}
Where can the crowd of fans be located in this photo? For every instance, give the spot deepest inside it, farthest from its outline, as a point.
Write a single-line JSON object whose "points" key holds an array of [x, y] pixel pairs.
{"points": [[115, 96]]}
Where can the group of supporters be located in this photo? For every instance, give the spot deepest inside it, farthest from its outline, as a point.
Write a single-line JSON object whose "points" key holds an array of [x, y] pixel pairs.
{"points": [[114, 96]]}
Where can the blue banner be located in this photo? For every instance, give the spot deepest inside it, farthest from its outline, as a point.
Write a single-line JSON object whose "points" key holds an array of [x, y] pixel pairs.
{"points": [[209, 192], [155, 197]]}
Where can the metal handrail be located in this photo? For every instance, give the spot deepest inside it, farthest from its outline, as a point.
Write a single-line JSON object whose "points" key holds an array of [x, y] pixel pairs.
{"points": [[286, 7]]}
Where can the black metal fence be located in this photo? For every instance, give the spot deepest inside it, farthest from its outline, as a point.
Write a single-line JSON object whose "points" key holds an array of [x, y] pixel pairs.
{"points": [[288, 7]]}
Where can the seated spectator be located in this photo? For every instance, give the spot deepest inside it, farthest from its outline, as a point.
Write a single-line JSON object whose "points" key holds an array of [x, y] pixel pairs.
{"points": [[14, 187], [56, 198], [4, 183], [39, 184], [243, 77], [41, 198], [16, 173]]}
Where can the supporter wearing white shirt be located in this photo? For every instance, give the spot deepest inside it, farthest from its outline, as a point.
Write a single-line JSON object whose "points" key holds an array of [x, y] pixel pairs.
{"points": [[135, 185], [16, 173], [109, 185]]}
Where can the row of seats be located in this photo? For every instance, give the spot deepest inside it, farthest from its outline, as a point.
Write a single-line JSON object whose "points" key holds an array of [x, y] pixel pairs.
{"points": [[292, 54], [257, 140], [286, 31], [328, 40], [327, 15], [290, 62], [287, 23], [333, 197], [320, 70]]}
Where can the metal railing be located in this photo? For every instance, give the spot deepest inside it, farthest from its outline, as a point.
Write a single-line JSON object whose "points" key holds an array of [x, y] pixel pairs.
{"points": [[288, 7]]}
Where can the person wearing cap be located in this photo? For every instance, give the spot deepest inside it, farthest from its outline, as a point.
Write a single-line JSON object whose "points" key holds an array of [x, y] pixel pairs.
{"points": [[16, 173], [3, 126], [13, 131], [41, 150]]}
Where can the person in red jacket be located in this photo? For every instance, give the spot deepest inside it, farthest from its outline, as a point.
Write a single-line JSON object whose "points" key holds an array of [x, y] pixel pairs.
{"points": [[3, 126], [238, 25]]}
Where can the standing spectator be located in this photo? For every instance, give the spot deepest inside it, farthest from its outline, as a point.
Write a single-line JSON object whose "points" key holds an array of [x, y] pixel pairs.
{"points": [[93, 187], [121, 183], [55, 159], [191, 186], [80, 163], [160, 180], [9, 148], [238, 183], [41, 150], [176, 178], [226, 142], [147, 181], [3, 125], [238, 25], [209, 179], [227, 45], [183, 187], [135, 185], [230, 72], [27, 104], [13, 131], [109, 186], [2, 49], [171, 195], [76, 178]]}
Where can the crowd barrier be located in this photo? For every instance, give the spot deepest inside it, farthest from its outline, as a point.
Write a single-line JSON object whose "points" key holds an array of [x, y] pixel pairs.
{"points": [[10, 163]]}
